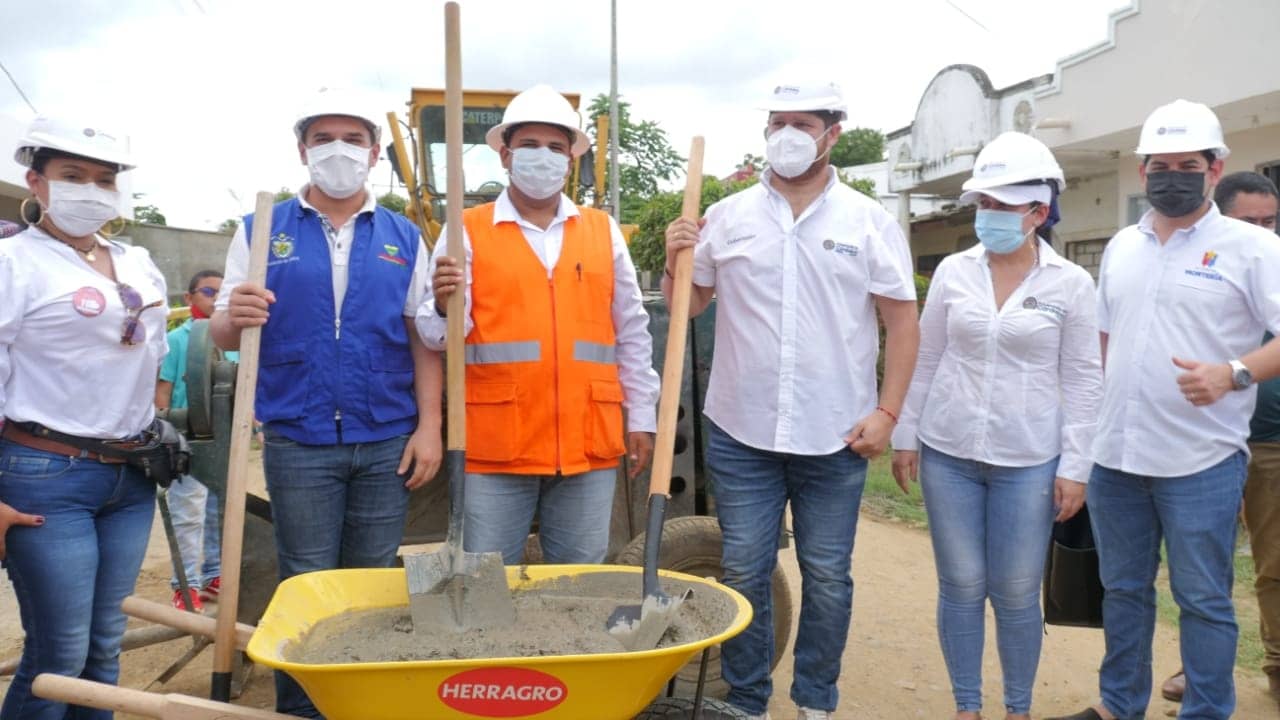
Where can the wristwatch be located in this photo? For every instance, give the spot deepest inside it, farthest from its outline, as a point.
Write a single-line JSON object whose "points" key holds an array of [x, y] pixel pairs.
{"points": [[1241, 378]]}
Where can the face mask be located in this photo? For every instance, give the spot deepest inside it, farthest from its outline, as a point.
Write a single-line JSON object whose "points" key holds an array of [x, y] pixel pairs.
{"points": [[1175, 194], [538, 172], [1000, 230], [791, 151], [338, 169], [81, 209]]}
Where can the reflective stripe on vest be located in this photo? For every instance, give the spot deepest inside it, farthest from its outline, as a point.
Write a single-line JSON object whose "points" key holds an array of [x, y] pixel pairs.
{"points": [[503, 352], [585, 351]]}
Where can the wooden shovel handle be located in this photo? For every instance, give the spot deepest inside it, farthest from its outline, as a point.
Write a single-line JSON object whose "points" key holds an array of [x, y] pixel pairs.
{"points": [[677, 334], [455, 390], [187, 622], [87, 693]]}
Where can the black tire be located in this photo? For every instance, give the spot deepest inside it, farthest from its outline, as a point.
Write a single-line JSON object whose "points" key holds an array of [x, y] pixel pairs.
{"points": [[692, 545], [680, 708]]}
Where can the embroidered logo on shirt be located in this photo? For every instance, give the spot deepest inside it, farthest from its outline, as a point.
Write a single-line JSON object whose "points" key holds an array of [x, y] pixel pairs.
{"points": [[391, 254], [89, 301], [1209, 259], [282, 246], [840, 248], [1047, 308], [739, 239]]}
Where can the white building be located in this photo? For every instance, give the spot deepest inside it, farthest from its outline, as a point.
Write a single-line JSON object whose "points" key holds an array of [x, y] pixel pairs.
{"points": [[878, 173], [1089, 112]]}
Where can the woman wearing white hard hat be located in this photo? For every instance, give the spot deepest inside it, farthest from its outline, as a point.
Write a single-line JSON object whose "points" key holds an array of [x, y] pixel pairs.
{"points": [[82, 323], [1000, 416]]}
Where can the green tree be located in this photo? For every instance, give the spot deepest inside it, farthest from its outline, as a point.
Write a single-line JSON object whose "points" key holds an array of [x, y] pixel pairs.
{"points": [[645, 157], [393, 202], [149, 214], [229, 226], [866, 186], [284, 193], [858, 146]]}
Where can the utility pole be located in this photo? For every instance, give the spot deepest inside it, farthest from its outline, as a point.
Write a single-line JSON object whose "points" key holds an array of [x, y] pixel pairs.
{"points": [[614, 206]]}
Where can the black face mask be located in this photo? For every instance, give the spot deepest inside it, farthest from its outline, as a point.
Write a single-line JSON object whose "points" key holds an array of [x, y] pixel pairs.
{"points": [[1175, 194]]}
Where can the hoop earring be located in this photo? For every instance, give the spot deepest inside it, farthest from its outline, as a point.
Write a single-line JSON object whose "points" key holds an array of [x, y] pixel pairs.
{"points": [[24, 210], [114, 228]]}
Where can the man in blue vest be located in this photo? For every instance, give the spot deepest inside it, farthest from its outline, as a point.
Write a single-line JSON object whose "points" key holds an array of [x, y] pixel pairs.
{"points": [[347, 394]]}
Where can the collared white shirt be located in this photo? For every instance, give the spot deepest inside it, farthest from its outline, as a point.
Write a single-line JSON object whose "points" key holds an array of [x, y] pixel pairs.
{"points": [[1013, 387], [1207, 294], [794, 366], [634, 346], [61, 360], [340, 240]]}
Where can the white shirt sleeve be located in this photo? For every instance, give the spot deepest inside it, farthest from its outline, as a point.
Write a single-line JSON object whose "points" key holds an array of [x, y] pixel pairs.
{"points": [[432, 327], [236, 270], [933, 345], [632, 340], [1264, 285], [704, 267], [1102, 312], [13, 290], [1080, 380], [420, 282], [889, 260]]}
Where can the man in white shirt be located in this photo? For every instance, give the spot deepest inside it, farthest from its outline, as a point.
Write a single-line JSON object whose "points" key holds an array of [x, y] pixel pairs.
{"points": [[800, 264], [557, 345], [1183, 297]]}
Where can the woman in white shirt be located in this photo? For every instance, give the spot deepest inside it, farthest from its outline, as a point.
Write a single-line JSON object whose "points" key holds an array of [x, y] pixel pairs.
{"points": [[1000, 416], [82, 325]]}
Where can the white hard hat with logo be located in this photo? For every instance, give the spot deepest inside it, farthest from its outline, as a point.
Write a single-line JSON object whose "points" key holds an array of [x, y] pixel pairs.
{"points": [[337, 101], [540, 104], [77, 139], [807, 98], [1182, 126], [1008, 169]]}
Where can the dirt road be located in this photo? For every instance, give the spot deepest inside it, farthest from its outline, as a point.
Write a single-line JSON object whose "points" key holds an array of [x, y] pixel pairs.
{"points": [[892, 668]]}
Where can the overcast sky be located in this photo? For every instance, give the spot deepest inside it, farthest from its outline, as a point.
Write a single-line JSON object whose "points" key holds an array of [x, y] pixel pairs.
{"points": [[208, 89]]}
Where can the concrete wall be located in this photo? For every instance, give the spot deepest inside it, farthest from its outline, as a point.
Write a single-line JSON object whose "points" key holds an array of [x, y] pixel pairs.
{"points": [[9, 209], [1088, 209], [180, 253]]}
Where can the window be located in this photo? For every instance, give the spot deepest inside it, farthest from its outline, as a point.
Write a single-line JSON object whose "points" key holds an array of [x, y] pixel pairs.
{"points": [[1137, 206]]}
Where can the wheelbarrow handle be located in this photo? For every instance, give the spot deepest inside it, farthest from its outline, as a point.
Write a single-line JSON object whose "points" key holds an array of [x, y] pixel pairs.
{"points": [[87, 693], [189, 623]]}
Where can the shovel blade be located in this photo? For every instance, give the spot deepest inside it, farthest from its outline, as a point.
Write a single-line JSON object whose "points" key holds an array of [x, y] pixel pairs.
{"points": [[641, 627], [453, 599]]}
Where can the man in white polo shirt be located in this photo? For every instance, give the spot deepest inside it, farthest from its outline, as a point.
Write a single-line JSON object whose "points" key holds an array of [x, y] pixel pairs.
{"points": [[1183, 297], [800, 264]]}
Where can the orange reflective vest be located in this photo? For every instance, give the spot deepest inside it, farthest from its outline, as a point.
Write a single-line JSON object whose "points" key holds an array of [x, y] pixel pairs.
{"points": [[542, 377]]}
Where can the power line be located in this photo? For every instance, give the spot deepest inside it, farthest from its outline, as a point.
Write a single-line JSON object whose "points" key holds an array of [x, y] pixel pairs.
{"points": [[962, 12], [18, 87]]}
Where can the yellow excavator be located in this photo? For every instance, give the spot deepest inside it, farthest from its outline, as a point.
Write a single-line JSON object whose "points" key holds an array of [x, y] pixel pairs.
{"points": [[419, 160]]}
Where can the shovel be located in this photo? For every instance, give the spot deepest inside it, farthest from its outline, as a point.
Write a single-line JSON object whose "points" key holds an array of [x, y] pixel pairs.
{"points": [[450, 589], [640, 627]]}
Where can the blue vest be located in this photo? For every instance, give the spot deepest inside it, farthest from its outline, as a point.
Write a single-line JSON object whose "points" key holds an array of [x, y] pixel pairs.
{"points": [[324, 380]]}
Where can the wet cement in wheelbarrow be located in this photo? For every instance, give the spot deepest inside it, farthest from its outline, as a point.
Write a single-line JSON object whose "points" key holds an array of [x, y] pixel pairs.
{"points": [[560, 616]]}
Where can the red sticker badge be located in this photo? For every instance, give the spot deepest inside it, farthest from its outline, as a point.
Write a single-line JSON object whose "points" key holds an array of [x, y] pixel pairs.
{"points": [[502, 692], [89, 301]]}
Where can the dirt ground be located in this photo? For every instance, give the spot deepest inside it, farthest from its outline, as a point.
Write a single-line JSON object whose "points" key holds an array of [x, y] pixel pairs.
{"points": [[892, 668]]}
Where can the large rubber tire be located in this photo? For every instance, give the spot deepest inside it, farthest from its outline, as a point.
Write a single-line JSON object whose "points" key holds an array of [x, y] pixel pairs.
{"points": [[680, 708], [692, 545]]}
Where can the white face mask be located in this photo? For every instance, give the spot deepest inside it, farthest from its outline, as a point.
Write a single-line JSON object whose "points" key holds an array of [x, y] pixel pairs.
{"points": [[339, 169], [538, 172], [81, 209], [791, 151]]}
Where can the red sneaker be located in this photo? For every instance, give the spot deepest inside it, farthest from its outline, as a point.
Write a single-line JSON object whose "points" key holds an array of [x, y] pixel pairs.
{"points": [[196, 605], [209, 593]]}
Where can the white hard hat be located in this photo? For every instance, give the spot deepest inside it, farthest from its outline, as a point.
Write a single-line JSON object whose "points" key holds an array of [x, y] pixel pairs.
{"points": [[68, 137], [338, 101], [1182, 126], [1008, 167], [540, 104], [807, 98]]}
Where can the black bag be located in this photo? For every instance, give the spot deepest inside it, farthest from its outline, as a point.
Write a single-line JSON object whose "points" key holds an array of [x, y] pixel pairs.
{"points": [[1072, 587]]}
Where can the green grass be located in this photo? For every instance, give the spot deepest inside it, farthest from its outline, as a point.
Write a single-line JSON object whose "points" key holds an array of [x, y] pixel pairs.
{"points": [[883, 498]]}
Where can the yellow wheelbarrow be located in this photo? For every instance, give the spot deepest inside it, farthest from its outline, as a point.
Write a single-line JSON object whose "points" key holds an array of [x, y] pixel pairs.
{"points": [[606, 686]]}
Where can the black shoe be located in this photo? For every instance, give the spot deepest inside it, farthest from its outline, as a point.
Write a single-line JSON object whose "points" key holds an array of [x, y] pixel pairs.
{"points": [[1086, 714]]}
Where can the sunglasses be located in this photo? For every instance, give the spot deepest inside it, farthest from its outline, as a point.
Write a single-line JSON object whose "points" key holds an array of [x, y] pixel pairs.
{"points": [[207, 291], [133, 331]]}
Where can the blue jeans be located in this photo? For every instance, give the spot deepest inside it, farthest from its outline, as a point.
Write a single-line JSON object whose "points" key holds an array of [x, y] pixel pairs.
{"points": [[752, 488], [332, 506], [196, 525], [71, 573], [1196, 516], [573, 515], [990, 527]]}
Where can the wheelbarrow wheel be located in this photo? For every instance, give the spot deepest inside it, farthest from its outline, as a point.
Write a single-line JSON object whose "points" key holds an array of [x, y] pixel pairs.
{"points": [[692, 545], [681, 708]]}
